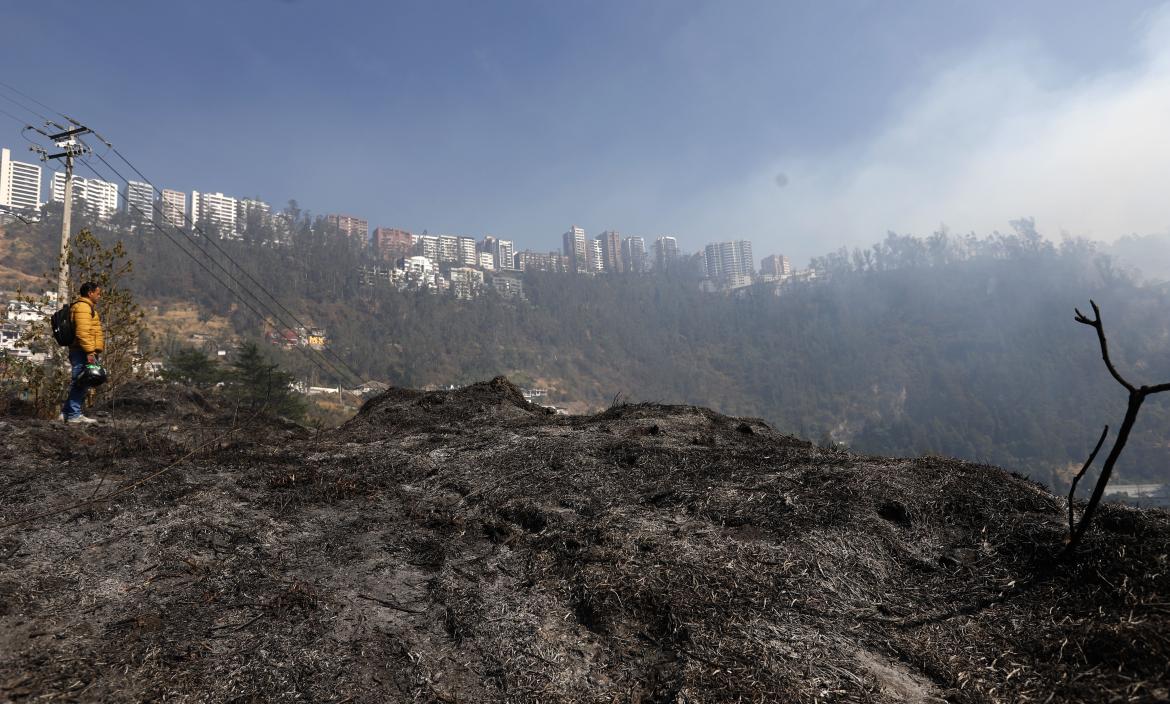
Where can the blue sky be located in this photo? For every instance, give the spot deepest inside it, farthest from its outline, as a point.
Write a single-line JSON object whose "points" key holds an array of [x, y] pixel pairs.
{"points": [[800, 126]]}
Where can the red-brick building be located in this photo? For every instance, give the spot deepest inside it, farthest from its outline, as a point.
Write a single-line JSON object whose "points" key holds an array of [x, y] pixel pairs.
{"points": [[392, 244], [351, 226]]}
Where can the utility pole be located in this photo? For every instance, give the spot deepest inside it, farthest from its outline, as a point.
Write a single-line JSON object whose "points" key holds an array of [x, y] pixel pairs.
{"points": [[69, 144]]}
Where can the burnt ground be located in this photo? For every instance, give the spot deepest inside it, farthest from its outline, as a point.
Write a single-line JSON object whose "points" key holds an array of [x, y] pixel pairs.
{"points": [[466, 546]]}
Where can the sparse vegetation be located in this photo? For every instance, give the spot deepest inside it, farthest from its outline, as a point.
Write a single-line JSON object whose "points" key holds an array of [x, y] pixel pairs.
{"points": [[914, 346], [468, 546], [258, 385], [192, 367]]}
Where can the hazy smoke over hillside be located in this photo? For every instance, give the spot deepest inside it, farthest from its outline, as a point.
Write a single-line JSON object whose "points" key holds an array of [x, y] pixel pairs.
{"points": [[1148, 255], [999, 135]]}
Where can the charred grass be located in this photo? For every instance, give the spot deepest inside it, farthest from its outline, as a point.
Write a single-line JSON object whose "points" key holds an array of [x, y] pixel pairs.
{"points": [[468, 546]]}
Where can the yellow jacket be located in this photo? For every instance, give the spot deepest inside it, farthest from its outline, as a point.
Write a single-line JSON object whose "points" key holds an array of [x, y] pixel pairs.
{"points": [[88, 326]]}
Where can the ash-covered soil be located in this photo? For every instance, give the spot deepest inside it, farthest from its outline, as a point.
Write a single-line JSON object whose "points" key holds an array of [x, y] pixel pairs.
{"points": [[466, 546]]}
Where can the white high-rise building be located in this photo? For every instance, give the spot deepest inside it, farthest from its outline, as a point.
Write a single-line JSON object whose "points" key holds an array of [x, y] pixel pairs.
{"points": [[20, 183], [174, 207], [611, 252], [140, 201], [505, 255], [216, 209], [729, 261], [634, 254], [665, 252], [595, 257], [251, 213], [448, 249], [468, 252], [427, 246], [250, 205], [98, 197], [776, 266], [576, 249]]}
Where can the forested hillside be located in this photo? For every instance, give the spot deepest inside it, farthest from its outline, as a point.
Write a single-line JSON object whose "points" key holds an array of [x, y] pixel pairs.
{"points": [[957, 346]]}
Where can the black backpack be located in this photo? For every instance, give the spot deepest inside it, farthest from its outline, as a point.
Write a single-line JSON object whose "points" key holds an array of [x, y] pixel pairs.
{"points": [[61, 322]]}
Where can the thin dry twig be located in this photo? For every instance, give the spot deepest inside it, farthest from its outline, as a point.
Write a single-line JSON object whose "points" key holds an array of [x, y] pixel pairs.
{"points": [[390, 604], [1085, 468]]}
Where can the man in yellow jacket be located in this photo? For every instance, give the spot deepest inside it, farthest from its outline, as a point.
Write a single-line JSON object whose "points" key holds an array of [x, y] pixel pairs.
{"points": [[87, 345]]}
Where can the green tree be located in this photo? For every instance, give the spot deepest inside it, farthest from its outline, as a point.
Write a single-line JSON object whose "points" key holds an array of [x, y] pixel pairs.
{"points": [[258, 385], [122, 326], [44, 384], [192, 367]]}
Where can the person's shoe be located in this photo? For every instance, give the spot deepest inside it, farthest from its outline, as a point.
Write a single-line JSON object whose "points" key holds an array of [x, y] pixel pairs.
{"points": [[60, 416], [80, 419]]}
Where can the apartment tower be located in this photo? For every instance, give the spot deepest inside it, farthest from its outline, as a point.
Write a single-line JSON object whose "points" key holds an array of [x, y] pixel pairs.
{"points": [[20, 183], [729, 261], [353, 227], [634, 255], [392, 244], [665, 252], [174, 207], [140, 201], [215, 209], [576, 249], [776, 265], [611, 252], [99, 198]]}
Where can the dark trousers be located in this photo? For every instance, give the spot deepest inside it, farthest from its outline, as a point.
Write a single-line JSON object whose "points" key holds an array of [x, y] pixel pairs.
{"points": [[77, 389]]}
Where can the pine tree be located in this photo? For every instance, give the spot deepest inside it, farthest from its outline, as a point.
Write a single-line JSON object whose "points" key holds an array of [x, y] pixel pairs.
{"points": [[192, 367], [258, 385]]}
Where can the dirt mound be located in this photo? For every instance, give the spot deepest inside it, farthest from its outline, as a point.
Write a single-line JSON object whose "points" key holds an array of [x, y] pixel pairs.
{"points": [[467, 546], [142, 398], [397, 410]]}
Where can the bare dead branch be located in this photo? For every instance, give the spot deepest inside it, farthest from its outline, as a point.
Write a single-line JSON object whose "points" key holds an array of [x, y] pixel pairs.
{"points": [[1096, 324], [1136, 397], [1073, 490]]}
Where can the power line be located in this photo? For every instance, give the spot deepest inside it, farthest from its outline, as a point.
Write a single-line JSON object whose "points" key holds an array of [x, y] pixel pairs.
{"points": [[26, 95], [71, 146], [241, 287], [332, 370], [26, 128], [240, 290], [190, 220], [14, 117], [212, 274], [16, 102]]}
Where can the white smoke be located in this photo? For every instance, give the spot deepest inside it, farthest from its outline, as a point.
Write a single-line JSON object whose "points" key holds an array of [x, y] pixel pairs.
{"points": [[992, 139]]}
